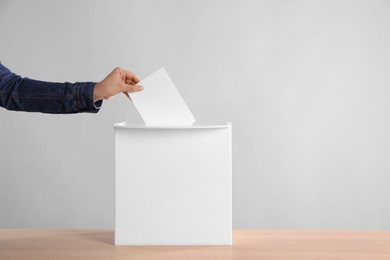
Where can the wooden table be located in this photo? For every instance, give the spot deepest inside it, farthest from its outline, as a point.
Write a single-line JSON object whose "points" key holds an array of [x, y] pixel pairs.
{"points": [[247, 244]]}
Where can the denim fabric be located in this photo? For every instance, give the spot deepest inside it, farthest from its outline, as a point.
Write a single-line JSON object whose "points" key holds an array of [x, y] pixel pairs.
{"points": [[24, 94]]}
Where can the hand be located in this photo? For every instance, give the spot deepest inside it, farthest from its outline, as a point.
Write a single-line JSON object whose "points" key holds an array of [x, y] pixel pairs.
{"points": [[119, 80]]}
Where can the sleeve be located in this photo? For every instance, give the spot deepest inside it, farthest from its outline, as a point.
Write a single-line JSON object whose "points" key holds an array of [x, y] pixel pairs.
{"points": [[24, 94]]}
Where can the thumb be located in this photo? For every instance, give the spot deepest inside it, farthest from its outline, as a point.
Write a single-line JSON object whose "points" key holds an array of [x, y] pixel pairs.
{"points": [[131, 88]]}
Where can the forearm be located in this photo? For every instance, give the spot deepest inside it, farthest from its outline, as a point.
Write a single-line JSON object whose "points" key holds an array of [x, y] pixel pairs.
{"points": [[23, 94]]}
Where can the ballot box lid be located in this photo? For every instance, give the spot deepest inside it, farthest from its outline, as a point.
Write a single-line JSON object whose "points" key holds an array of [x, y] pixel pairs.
{"points": [[195, 125]]}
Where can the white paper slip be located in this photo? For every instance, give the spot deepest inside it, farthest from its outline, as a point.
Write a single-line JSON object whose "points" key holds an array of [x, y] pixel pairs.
{"points": [[160, 104]]}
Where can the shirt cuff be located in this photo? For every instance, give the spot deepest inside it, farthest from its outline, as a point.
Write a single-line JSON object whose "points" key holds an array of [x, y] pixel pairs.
{"points": [[85, 97]]}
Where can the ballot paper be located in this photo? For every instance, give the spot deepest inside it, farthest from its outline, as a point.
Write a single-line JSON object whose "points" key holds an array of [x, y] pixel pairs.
{"points": [[160, 103]]}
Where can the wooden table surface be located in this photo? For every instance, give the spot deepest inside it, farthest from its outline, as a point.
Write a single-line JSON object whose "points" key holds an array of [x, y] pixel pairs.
{"points": [[247, 244]]}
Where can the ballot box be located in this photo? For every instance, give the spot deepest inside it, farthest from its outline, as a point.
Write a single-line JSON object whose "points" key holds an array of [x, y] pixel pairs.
{"points": [[173, 184]]}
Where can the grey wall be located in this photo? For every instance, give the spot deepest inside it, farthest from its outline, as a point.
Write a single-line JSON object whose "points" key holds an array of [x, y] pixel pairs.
{"points": [[305, 84]]}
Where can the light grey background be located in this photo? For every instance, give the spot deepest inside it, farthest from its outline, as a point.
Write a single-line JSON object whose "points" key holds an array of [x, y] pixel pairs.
{"points": [[305, 84]]}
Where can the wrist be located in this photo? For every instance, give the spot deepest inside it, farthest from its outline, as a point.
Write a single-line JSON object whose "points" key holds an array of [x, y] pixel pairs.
{"points": [[97, 95]]}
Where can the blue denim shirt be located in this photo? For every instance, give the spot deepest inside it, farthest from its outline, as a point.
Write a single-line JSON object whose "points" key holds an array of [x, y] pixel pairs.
{"points": [[24, 94]]}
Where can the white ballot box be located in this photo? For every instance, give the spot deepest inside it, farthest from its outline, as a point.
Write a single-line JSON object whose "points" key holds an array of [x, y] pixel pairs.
{"points": [[173, 185]]}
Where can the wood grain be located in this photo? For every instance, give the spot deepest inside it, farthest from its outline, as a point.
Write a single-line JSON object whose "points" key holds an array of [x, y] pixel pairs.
{"points": [[247, 244]]}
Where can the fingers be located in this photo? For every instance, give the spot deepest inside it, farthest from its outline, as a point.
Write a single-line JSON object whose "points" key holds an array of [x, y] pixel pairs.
{"points": [[130, 82], [129, 76], [131, 85], [131, 88]]}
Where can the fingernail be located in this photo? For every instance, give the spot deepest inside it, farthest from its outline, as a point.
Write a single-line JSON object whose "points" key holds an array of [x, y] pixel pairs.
{"points": [[140, 88]]}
